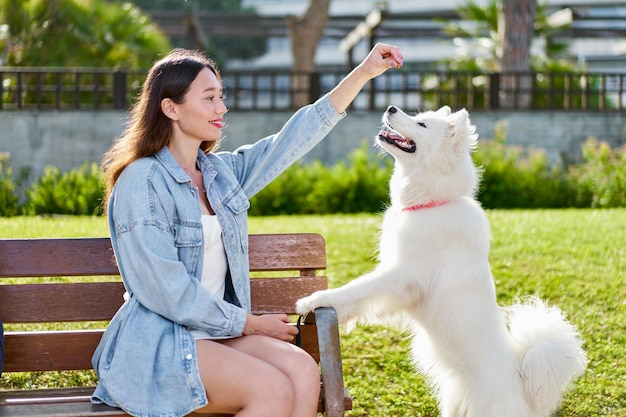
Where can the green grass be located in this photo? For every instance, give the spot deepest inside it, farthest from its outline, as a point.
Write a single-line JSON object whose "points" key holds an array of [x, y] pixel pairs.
{"points": [[575, 259]]}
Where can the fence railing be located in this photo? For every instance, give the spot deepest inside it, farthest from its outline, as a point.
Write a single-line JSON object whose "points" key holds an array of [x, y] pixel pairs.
{"points": [[34, 88]]}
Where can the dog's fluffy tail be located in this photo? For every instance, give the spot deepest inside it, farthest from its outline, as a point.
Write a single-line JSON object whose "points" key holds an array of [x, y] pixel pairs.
{"points": [[550, 352]]}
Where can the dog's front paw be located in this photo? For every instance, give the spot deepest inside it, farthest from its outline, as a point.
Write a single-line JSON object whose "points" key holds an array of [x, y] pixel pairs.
{"points": [[311, 302]]}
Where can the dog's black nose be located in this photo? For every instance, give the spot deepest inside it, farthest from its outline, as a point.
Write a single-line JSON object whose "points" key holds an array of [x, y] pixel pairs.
{"points": [[392, 109]]}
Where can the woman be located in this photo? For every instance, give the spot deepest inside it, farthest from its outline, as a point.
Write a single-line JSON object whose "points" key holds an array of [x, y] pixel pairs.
{"points": [[184, 341]]}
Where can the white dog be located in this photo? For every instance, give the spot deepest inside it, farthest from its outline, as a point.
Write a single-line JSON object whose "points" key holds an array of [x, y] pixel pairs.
{"points": [[433, 277]]}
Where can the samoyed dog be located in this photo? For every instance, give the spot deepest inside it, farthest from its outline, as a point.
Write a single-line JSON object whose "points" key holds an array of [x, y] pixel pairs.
{"points": [[433, 278]]}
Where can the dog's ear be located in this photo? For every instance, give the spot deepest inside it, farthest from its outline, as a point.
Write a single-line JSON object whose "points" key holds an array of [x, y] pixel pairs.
{"points": [[444, 111], [458, 122], [461, 131]]}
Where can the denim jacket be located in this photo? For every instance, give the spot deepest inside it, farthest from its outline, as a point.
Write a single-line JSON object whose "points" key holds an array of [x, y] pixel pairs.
{"points": [[146, 361]]}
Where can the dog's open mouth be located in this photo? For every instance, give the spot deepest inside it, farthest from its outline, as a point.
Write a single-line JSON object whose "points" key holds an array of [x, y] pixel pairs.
{"points": [[400, 142]]}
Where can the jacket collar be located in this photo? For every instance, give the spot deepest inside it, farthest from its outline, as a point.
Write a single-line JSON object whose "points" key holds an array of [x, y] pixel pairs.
{"points": [[165, 157]]}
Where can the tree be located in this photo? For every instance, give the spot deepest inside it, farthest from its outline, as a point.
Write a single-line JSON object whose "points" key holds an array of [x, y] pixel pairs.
{"points": [[481, 25], [516, 20], [78, 33], [75, 33], [481, 30], [305, 32], [220, 48]]}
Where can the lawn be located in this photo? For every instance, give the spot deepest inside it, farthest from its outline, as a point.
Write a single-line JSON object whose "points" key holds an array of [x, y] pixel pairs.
{"points": [[575, 259]]}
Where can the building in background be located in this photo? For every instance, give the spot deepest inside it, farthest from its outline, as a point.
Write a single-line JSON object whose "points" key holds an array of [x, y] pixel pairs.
{"points": [[597, 42]]}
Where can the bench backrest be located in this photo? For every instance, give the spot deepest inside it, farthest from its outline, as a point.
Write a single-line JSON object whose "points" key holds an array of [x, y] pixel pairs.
{"points": [[293, 259]]}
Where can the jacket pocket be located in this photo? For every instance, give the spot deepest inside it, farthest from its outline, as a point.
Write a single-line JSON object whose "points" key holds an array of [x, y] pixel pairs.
{"points": [[188, 242], [187, 234], [238, 202]]}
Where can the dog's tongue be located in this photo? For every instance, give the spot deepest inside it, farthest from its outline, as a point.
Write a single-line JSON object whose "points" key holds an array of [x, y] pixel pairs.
{"points": [[390, 135]]}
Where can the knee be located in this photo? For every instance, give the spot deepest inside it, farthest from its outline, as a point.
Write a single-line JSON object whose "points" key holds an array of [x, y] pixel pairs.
{"points": [[309, 372], [280, 394], [300, 384]]}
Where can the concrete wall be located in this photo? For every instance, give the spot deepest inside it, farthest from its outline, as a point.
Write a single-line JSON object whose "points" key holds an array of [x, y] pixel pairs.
{"points": [[67, 139], [63, 139]]}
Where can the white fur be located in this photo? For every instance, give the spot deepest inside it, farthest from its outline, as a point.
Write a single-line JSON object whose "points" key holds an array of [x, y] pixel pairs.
{"points": [[434, 278]]}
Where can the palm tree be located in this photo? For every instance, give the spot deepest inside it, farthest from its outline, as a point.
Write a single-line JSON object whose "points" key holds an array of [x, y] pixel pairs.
{"points": [[516, 19], [481, 35], [479, 30], [78, 33], [75, 33]]}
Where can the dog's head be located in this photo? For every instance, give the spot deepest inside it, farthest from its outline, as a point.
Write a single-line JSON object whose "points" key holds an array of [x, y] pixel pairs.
{"points": [[432, 152]]}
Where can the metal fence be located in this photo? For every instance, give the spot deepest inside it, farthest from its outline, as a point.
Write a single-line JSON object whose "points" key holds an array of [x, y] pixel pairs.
{"points": [[35, 88]]}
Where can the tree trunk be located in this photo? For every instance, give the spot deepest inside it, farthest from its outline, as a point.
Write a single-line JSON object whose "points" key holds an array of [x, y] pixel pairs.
{"points": [[515, 32], [305, 33]]}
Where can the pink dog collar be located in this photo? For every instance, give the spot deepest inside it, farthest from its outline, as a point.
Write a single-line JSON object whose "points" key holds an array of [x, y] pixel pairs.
{"points": [[432, 204]]}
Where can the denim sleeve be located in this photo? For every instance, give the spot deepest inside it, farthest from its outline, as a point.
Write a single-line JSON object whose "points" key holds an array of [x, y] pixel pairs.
{"points": [[258, 164]]}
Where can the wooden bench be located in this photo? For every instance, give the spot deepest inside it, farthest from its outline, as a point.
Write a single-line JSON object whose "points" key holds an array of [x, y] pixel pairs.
{"points": [[52, 305]]}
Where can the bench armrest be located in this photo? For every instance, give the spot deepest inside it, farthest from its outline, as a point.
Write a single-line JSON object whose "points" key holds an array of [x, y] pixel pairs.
{"points": [[330, 359], [1, 347]]}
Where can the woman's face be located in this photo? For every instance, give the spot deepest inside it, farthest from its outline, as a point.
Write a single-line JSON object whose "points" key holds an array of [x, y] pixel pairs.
{"points": [[200, 117]]}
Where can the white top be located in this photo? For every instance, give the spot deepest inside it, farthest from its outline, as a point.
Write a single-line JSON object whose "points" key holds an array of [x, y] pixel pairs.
{"points": [[215, 265]]}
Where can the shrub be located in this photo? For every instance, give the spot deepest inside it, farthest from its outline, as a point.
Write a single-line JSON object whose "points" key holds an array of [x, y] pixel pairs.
{"points": [[512, 177], [288, 193], [360, 185], [9, 200], [79, 191], [601, 175], [515, 177]]}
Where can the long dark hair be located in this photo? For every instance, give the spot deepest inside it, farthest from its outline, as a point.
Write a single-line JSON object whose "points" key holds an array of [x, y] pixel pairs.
{"points": [[149, 130]]}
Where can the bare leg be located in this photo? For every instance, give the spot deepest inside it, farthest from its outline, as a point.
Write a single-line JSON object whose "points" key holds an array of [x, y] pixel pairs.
{"points": [[258, 376]]}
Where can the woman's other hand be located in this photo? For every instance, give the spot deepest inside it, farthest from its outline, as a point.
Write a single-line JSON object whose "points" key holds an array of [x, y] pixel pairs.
{"points": [[274, 325]]}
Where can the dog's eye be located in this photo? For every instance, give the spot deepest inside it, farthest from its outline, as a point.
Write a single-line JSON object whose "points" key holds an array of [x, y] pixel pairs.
{"points": [[421, 124]]}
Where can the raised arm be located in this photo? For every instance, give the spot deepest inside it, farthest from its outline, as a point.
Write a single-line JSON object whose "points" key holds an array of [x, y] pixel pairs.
{"points": [[380, 59]]}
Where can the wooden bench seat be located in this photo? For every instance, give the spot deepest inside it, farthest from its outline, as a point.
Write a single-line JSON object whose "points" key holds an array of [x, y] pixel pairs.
{"points": [[60, 306]]}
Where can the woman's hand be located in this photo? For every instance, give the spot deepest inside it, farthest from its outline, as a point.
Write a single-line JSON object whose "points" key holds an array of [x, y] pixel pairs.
{"points": [[380, 59], [274, 325]]}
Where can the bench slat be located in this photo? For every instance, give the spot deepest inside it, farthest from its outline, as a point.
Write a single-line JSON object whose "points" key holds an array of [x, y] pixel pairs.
{"points": [[35, 303], [94, 256], [72, 350], [50, 351], [74, 402], [285, 252], [56, 257], [98, 301], [47, 395], [66, 409], [279, 295]]}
